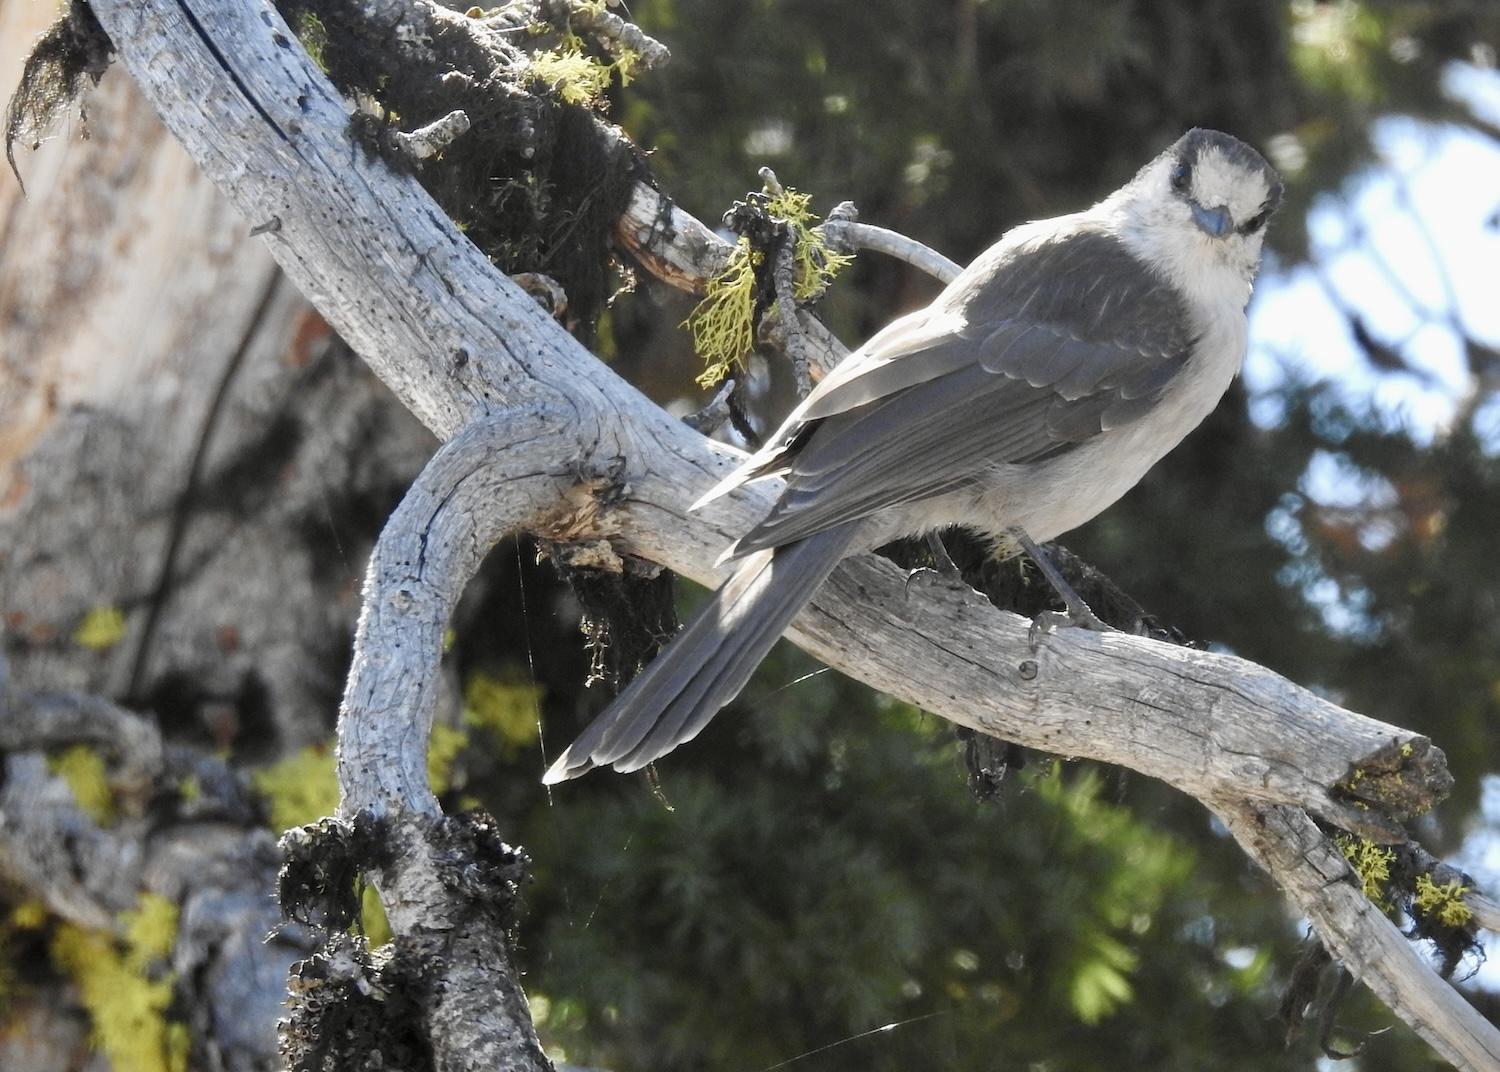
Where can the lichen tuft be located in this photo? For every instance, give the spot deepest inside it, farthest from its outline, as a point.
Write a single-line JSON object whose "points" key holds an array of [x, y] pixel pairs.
{"points": [[1444, 903], [101, 629], [84, 769], [723, 323], [1371, 862], [300, 788], [814, 265], [123, 990]]}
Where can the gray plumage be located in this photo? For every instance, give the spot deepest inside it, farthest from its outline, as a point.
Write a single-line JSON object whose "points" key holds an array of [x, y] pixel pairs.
{"points": [[1033, 392], [712, 658]]}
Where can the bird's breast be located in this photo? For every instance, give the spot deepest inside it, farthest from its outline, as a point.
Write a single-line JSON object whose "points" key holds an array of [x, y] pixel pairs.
{"points": [[1058, 495]]}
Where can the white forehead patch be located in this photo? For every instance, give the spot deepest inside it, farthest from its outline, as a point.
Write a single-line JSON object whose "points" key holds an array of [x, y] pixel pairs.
{"points": [[1218, 181]]}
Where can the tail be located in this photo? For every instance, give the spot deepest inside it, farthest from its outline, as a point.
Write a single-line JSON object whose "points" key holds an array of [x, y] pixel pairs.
{"points": [[708, 663]]}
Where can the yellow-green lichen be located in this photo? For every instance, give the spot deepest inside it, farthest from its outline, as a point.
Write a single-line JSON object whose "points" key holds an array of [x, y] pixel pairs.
{"points": [[813, 264], [1371, 862], [575, 76], [29, 915], [627, 63], [101, 629], [300, 788], [150, 930], [121, 987], [84, 770], [442, 749], [314, 37], [1445, 903], [723, 323], [506, 711]]}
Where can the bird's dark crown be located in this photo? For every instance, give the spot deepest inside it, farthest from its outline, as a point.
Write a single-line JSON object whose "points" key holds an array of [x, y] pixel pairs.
{"points": [[1192, 145]]}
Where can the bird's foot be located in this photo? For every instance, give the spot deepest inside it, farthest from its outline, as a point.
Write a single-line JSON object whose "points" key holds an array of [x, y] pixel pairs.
{"points": [[943, 567], [1077, 616], [942, 576]]}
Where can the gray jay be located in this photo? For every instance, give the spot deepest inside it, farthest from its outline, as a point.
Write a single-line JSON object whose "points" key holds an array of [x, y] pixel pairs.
{"points": [[1033, 392]]}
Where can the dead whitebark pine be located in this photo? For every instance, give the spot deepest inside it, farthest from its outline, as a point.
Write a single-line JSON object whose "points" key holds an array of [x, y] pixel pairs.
{"points": [[527, 410], [161, 384]]}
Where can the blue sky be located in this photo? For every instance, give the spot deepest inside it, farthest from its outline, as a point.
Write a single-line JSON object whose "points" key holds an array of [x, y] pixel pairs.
{"points": [[1409, 243], [1413, 245]]}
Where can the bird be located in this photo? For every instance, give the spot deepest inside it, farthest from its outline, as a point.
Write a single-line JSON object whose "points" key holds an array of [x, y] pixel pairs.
{"points": [[1033, 392]]}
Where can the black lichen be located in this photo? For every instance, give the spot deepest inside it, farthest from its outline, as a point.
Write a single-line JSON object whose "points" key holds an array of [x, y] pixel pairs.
{"points": [[323, 867], [73, 49], [474, 861], [350, 1009], [627, 618], [534, 183]]}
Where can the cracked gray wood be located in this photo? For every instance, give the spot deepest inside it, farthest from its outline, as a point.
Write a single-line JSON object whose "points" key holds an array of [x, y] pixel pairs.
{"points": [[139, 330], [459, 343]]}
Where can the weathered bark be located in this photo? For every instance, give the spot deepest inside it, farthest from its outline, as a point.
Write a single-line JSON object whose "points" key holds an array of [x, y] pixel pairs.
{"points": [[179, 441], [463, 348], [211, 858], [484, 483], [174, 419]]}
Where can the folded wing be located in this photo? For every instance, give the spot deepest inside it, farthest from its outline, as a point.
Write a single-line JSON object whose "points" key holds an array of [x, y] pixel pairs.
{"points": [[1064, 341]]}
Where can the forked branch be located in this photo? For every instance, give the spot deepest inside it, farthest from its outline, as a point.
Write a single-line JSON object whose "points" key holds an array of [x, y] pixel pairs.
{"points": [[462, 346]]}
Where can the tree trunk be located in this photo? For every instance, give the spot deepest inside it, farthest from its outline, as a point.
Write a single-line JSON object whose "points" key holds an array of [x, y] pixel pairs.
{"points": [[192, 470]]}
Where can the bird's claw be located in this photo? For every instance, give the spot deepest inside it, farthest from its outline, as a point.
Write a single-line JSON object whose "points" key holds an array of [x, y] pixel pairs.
{"points": [[1077, 616], [953, 580]]}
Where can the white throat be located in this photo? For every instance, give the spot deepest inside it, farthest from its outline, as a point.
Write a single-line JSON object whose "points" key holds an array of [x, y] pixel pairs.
{"points": [[1214, 273]]}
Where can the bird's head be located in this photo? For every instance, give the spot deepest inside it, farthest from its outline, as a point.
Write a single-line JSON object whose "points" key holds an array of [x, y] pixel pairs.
{"points": [[1201, 206]]}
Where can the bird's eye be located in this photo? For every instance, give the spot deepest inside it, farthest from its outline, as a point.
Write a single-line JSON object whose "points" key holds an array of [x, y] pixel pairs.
{"points": [[1255, 223], [1180, 176]]}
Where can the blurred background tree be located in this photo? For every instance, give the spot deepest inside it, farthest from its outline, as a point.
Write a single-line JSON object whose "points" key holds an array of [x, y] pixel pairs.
{"points": [[822, 871], [810, 884]]}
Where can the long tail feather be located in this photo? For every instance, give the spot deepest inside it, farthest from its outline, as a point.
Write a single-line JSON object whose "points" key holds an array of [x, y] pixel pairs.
{"points": [[709, 662]]}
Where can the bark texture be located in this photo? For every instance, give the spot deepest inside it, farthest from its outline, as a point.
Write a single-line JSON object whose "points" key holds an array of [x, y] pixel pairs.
{"points": [[183, 444], [541, 436]]}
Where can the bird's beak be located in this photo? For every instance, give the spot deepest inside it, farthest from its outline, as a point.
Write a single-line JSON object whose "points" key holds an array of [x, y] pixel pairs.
{"points": [[1212, 221]]}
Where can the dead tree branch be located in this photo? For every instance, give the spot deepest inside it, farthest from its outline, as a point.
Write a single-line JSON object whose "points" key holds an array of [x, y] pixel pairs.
{"points": [[497, 475], [845, 233], [1315, 876], [205, 852], [460, 344]]}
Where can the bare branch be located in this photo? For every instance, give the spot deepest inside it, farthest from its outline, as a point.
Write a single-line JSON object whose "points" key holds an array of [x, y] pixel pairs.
{"points": [[849, 234], [669, 243], [496, 475], [1317, 878], [459, 343], [430, 140], [711, 417], [794, 339], [613, 32]]}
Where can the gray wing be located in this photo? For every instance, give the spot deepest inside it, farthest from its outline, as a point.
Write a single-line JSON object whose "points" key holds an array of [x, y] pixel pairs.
{"points": [[1064, 341]]}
